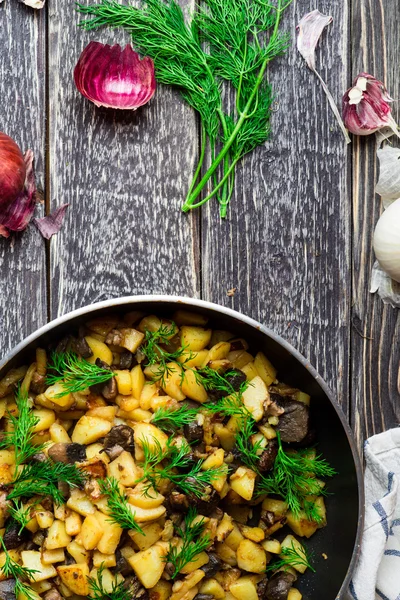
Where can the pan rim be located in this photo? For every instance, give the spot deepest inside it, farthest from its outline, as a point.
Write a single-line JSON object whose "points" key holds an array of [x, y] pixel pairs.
{"points": [[197, 302]]}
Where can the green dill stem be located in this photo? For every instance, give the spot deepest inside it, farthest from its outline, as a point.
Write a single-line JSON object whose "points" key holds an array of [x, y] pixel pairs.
{"points": [[217, 187], [190, 201], [201, 158]]}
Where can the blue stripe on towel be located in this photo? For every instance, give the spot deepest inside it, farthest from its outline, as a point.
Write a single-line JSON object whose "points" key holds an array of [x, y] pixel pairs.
{"points": [[395, 523], [352, 590], [390, 482], [384, 519], [392, 552], [381, 594]]}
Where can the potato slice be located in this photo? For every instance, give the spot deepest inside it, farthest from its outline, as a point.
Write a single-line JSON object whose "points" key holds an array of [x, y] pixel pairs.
{"points": [[294, 594], [244, 589], [149, 564], [89, 429], [151, 534], [53, 556], [192, 388], [213, 588], [78, 552], [215, 459], [195, 338], [161, 591], [57, 537], [148, 433], [91, 532], [100, 350], [225, 528], [264, 368], [255, 397], [251, 557], [293, 544], [242, 481], [150, 499], [33, 560], [143, 515], [111, 534], [173, 382], [301, 525], [75, 577], [80, 503], [124, 469]]}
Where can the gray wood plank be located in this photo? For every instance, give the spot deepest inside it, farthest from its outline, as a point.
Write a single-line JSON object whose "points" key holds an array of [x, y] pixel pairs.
{"points": [[375, 331], [286, 245], [124, 175], [22, 91]]}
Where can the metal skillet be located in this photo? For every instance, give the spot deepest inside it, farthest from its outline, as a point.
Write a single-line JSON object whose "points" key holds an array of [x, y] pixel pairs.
{"points": [[336, 547]]}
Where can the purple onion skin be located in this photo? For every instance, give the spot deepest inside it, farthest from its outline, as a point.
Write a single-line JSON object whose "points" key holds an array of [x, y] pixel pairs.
{"points": [[114, 78], [17, 215], [12, 170]]}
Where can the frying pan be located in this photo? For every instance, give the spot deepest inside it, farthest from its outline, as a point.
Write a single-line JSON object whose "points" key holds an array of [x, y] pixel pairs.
{"points": [[335, 548]]}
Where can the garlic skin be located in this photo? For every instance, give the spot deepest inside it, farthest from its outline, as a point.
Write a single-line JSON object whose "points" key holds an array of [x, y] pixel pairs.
{"points": [[114, 78], [387, 240], [366, 106]]}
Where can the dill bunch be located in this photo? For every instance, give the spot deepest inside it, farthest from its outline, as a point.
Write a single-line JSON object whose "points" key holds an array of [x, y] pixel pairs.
{"points": [[171, 419], [293, 478], [22, 432], [193, 543], [228, 41], [74, 373], [292, 556], [119, 591], [160, 464], [117, 504], [20, 514], [20, 574], [41, 479]]}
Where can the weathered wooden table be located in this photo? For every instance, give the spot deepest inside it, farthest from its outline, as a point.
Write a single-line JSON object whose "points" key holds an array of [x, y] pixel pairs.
{"points": [[296, 245]]}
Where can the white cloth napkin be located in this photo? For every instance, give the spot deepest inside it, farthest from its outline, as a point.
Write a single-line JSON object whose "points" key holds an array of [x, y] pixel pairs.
{"points": [[377, 576]]}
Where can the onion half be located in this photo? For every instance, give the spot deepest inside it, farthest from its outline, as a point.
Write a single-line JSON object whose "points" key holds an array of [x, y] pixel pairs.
{"points": [[12, 170]]}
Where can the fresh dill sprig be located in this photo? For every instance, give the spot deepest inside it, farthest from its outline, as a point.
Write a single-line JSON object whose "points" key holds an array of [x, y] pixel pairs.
{"points": [[22, 432], [74, 373], [293, 476], [116, 501], [41, 479], [160, 464], [155, 349], [249, 453], [193, 543], [292, 556], [312, 511], [20, 514], [20, 574], [229, 41], [119, 591], [171, 419]]}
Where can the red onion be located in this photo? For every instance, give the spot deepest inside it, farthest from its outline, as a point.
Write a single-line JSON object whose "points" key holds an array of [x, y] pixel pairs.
{"points": [[115, 78], [12, 170], [16, 215]]}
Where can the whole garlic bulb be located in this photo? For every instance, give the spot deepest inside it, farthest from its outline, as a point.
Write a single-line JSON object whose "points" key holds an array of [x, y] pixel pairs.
{"points": [[387, 240]]}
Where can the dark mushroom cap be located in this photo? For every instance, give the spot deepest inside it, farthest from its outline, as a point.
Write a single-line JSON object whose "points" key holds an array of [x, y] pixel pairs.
{"points": [[267, 458], [213, 566], [67, 452], [294, 424], [279, 585], [12, 537], [120, 435], [7, 589]]}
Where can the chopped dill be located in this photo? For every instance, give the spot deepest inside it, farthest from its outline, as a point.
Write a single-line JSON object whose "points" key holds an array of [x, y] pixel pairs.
{"points": [[160, 464], [120, 512], [155, 349], [171, 419], [22, 432], [74, 373], [119, 591], [292, 556], [20, 574], [41, 479], [20, 514], [193, 543], [293, 477]]}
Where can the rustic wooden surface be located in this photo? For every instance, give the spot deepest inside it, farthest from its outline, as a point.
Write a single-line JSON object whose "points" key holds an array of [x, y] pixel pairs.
{"points": [[297, 244]]}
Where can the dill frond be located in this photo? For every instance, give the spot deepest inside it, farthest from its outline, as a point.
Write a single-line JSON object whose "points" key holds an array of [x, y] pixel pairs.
{"points": [[292, 556], [11, 569], [74, 373], [160, 464], [293, 477], [116, 501], [22, 430], [41, 479], [155, 349], [171, 419], [20, 514], [193, 543], [119, 591]]}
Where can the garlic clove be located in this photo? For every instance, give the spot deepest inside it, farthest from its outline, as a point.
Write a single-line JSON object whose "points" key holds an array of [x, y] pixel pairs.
{"points": [[386, 240], [366, 106], [114, 78]]}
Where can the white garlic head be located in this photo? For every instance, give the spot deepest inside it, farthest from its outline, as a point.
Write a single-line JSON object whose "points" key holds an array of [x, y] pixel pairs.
{"points": [[387, 240]]}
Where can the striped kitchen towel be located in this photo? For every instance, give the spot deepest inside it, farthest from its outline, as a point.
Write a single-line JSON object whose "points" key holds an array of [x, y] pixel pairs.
{"points": [[377, 576]]}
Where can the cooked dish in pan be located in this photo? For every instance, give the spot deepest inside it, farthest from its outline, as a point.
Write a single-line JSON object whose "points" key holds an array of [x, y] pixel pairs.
{"points": [[151, 458]]}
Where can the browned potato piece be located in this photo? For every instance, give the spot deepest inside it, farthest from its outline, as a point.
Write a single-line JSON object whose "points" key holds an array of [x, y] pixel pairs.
{"points": [[75, 577]]}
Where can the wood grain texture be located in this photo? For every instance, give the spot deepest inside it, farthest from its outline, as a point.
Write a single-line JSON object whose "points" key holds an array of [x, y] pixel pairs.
{"points": [[286, 245], [22, 92], [124, 175], [375, 327]]}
